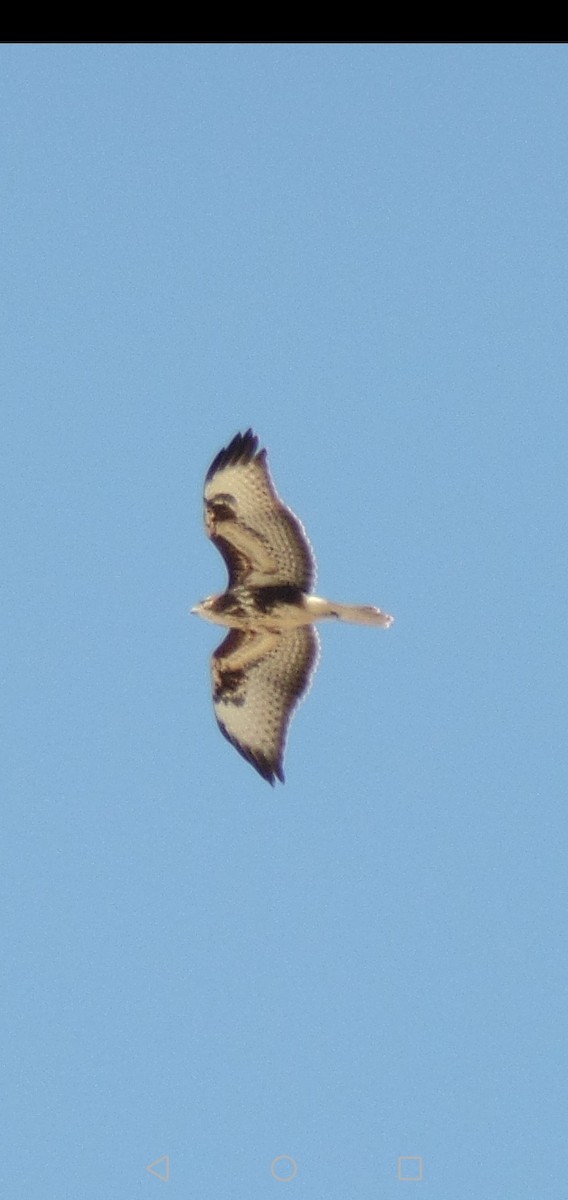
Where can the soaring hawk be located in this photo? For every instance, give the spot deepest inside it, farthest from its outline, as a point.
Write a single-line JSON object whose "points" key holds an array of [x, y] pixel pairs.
{"points": [[264, 666]]}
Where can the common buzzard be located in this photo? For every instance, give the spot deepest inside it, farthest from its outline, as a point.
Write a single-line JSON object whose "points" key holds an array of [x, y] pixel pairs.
{"points": [[264, 666]]}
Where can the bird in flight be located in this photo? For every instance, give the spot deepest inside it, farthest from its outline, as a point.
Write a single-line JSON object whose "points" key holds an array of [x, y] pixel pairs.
{"points": [[264, 666]]}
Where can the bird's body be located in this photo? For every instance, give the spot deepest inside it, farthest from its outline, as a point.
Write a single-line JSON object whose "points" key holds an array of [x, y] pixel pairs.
{"points": [[265, 664], [282, 606]]}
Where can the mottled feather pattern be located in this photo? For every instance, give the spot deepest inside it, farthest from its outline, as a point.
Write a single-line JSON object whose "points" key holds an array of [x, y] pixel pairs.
{"points": [[256, 690], [264, 666], [244, 511]]}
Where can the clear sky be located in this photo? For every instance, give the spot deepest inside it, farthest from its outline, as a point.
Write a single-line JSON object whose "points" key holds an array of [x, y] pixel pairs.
{"points": [[360, 250]]}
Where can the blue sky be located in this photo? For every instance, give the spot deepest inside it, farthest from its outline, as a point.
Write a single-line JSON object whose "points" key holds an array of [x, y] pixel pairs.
{"points": [[361, 251]]}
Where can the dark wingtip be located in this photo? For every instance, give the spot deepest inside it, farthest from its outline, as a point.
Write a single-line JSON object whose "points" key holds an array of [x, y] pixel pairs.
{"points": [[242, 449], [269, 771]]}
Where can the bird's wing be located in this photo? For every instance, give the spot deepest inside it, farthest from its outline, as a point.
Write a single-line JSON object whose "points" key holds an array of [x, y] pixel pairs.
{"points": [[261, 540], [258, 679]]}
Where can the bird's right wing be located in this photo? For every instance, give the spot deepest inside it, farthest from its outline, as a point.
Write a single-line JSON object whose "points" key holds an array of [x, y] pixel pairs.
{"points": [[258, 679]]}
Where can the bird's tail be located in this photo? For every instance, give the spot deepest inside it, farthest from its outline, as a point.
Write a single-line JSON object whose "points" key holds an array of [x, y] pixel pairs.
{"points": [[362, 614]]}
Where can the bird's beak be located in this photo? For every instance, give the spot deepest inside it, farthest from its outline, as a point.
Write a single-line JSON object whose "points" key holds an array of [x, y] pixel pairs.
{"points": [[195, 610]]}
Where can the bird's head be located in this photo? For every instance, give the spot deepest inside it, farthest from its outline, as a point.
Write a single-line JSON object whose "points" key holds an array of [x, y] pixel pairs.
{"points": [[206, 608], [202, 608]]}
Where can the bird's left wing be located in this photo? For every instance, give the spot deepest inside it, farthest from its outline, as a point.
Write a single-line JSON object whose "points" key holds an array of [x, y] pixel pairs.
{"points": [[258, 679], [260, 538]]}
